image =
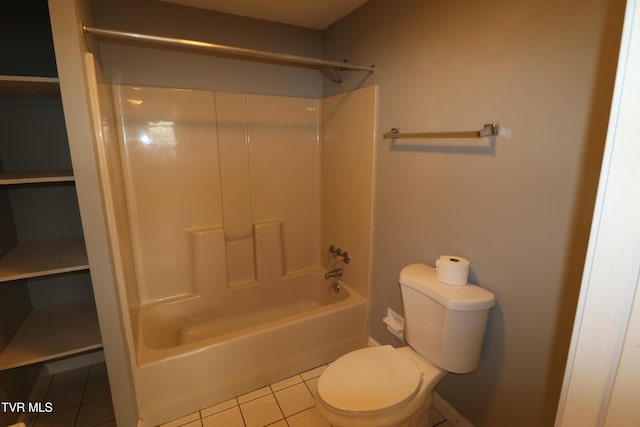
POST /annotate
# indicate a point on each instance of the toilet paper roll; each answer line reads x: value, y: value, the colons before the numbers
x: 452, y: 270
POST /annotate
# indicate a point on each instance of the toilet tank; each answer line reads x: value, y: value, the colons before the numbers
x: 444, y: 323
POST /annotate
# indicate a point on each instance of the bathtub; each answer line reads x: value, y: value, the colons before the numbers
x: 196, y: 352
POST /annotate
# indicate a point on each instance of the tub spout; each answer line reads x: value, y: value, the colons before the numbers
x: 337, y: 272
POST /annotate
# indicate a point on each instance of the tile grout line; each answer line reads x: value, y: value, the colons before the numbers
x: 279, y: 406
x: 244, y: 422
x: 272, y: 392
x: 84, y: 390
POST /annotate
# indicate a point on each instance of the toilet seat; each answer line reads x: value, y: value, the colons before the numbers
x: 369, y: 381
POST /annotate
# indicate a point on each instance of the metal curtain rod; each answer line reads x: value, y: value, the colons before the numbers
x: 490, y: 129
x: 328, y: 68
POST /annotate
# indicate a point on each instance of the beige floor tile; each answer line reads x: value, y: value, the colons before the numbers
x: 264, y: 391
x: 65, y: 398
x: 308, y: 418
x: 97, y: 371
x: 218, y: 408
x: 96, y: 390
x: 182, y: 420
x: 69, y: 378
x: 294, y: 399
x: 296, y: 379
x: 228, y: 418
x: 435, y: 417
x: 58, y: 419
x: 313, y: 373
x: 281, y: 423
x: 312, y: 385
x: 261, y: 412
x: 96, y: 412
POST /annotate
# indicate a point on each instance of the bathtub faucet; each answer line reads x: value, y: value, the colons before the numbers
x: 336, y: 272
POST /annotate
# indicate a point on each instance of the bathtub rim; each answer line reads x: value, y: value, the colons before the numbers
x: 146, y: 355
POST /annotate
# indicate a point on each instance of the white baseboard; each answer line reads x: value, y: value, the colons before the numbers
x: 449, y: 412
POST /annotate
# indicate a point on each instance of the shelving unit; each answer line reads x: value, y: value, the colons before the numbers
x: 29, y: 86
x: 36, y: 177
x: 53, y: 332
x: 48, y: 332
x: 44, y: 258
x: 47, y: 308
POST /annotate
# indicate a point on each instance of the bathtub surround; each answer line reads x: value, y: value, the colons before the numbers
x: 222, y: 189
x: 215, y: 199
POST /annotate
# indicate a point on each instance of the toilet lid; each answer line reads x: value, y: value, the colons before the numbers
x: 371, y: 379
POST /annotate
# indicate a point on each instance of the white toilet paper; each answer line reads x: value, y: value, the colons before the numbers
x: 452, y: 270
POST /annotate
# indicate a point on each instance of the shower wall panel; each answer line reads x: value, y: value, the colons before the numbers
x: 169, y: 159
x: 285, y: 173
x: 222, y: 189
x: 235, y: 179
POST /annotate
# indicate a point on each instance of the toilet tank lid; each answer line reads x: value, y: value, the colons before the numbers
x: 423, y: 279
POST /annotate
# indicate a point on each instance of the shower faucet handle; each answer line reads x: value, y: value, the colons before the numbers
x: 338, y: 252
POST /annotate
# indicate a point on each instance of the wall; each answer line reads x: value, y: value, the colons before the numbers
x: 156, y: 66
x: 518, y: 209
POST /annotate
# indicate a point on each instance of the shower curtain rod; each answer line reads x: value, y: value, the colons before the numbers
x: 328, y: 68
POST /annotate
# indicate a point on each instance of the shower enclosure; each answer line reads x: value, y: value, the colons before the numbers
x: 221, y: 209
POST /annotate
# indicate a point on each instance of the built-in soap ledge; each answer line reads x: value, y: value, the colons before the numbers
x: 270, y: 259
x: 222, y: 261
x: 208, y: 258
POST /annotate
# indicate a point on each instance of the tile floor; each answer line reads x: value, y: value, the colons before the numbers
x: 80, y: 398
x: 287, y: 403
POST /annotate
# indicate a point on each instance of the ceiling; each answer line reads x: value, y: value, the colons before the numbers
x: 315, y: 14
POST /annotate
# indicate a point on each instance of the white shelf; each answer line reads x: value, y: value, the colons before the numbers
x: 35, y: 259
x: 29, y: 86
x: 53, y: 332
x: 36, y: 177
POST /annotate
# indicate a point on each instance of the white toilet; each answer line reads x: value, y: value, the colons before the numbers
x: 393, y: 387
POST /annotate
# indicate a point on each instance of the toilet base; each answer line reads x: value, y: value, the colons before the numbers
x: 418, y: 417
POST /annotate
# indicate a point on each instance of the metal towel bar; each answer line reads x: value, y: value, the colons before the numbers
x: 490, y: 129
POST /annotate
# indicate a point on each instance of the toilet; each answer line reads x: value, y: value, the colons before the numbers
x: 385, y: 386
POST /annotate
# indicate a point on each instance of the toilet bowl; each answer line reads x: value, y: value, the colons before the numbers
x: 389, y: 387
x: 378, y: 387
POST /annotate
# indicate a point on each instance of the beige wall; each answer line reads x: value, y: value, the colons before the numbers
x: 519, y: 210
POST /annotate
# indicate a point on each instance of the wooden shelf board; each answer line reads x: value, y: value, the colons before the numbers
x: 29, y: 86
x: 36, y: 259
x: 36, y: 177
x: 53, y: 332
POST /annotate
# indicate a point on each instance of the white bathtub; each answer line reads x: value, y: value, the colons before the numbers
x: 193, y: 353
